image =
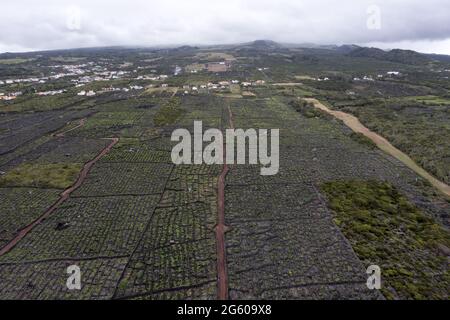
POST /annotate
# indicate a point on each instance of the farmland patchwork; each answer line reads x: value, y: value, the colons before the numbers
x: 138, y: 183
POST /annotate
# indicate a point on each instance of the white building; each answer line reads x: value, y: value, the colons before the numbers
x: 7, y: 98
x: 50, y: 93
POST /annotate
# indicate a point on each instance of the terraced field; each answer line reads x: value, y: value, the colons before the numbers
x: 140, y: 227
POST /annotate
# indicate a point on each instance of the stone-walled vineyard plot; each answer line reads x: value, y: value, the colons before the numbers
x: 109, y: 124
x: 202, y: 169
x: 55, y: 150
x: 108, y: 119
x: 14, y: 123
x: 281, y: 254
x: 87, y: 227
x: 188, y: 123
x: 281, y: 237
x: 136, y: 151
x: 320, y: 150
x: 286, y: 127
x: 28, y: 152
x: 98, y: 131
x: 345, y: 291
x: 180, y: 225
x: 124, y: 179
x: 141, y: 227
x: 47, y: 280
x: 33, y: 103
x: 170, y: 268
x: 203, y: 107
x: 201, y: 292
x: 74, y: 149
x: 251, y: 174
x: 182, y: 190
x: 20, y: 207
x: 176, y: 258
x: 246, y: 109
x: 26, y: 134
x: 282, y: 241
x: 161, y: 143
x: 262, y: 202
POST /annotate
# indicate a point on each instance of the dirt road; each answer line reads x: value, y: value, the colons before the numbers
x: 221, y: 228
x: 353, y: 123
x: 64, y: 196
x: 61, y: 134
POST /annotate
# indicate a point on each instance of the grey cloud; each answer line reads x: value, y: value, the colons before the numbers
x: 28, y: 24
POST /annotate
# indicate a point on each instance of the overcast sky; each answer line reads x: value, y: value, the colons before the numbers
x: 55, y: 24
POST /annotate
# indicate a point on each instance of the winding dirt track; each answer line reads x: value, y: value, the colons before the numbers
x: 353, y: 123
x: 64, y: 196
x: 61, y: 134
x: 221, y: 228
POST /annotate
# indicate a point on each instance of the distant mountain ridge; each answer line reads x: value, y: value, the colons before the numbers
x: 261, y: 45
x: 395, y: 55
x: 408, y: 57
x: 439, y: 57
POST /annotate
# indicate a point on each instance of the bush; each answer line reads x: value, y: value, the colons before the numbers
x: 55, y: 175
x: 169, y: 113
x: 385, y: 229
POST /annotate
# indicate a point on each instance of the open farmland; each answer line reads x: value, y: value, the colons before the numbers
x: 89, y: 181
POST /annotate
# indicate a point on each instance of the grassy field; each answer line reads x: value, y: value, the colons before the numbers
x: 153, y: 91
x: 304, y: 77
x: 430, y: 100
x: 55, y: 175
x: 169, y: 112
x: 14, y: 61
x: 195, y: 67
x: 385, y: 229
x: 214, y: 56
x: 235, y: 89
